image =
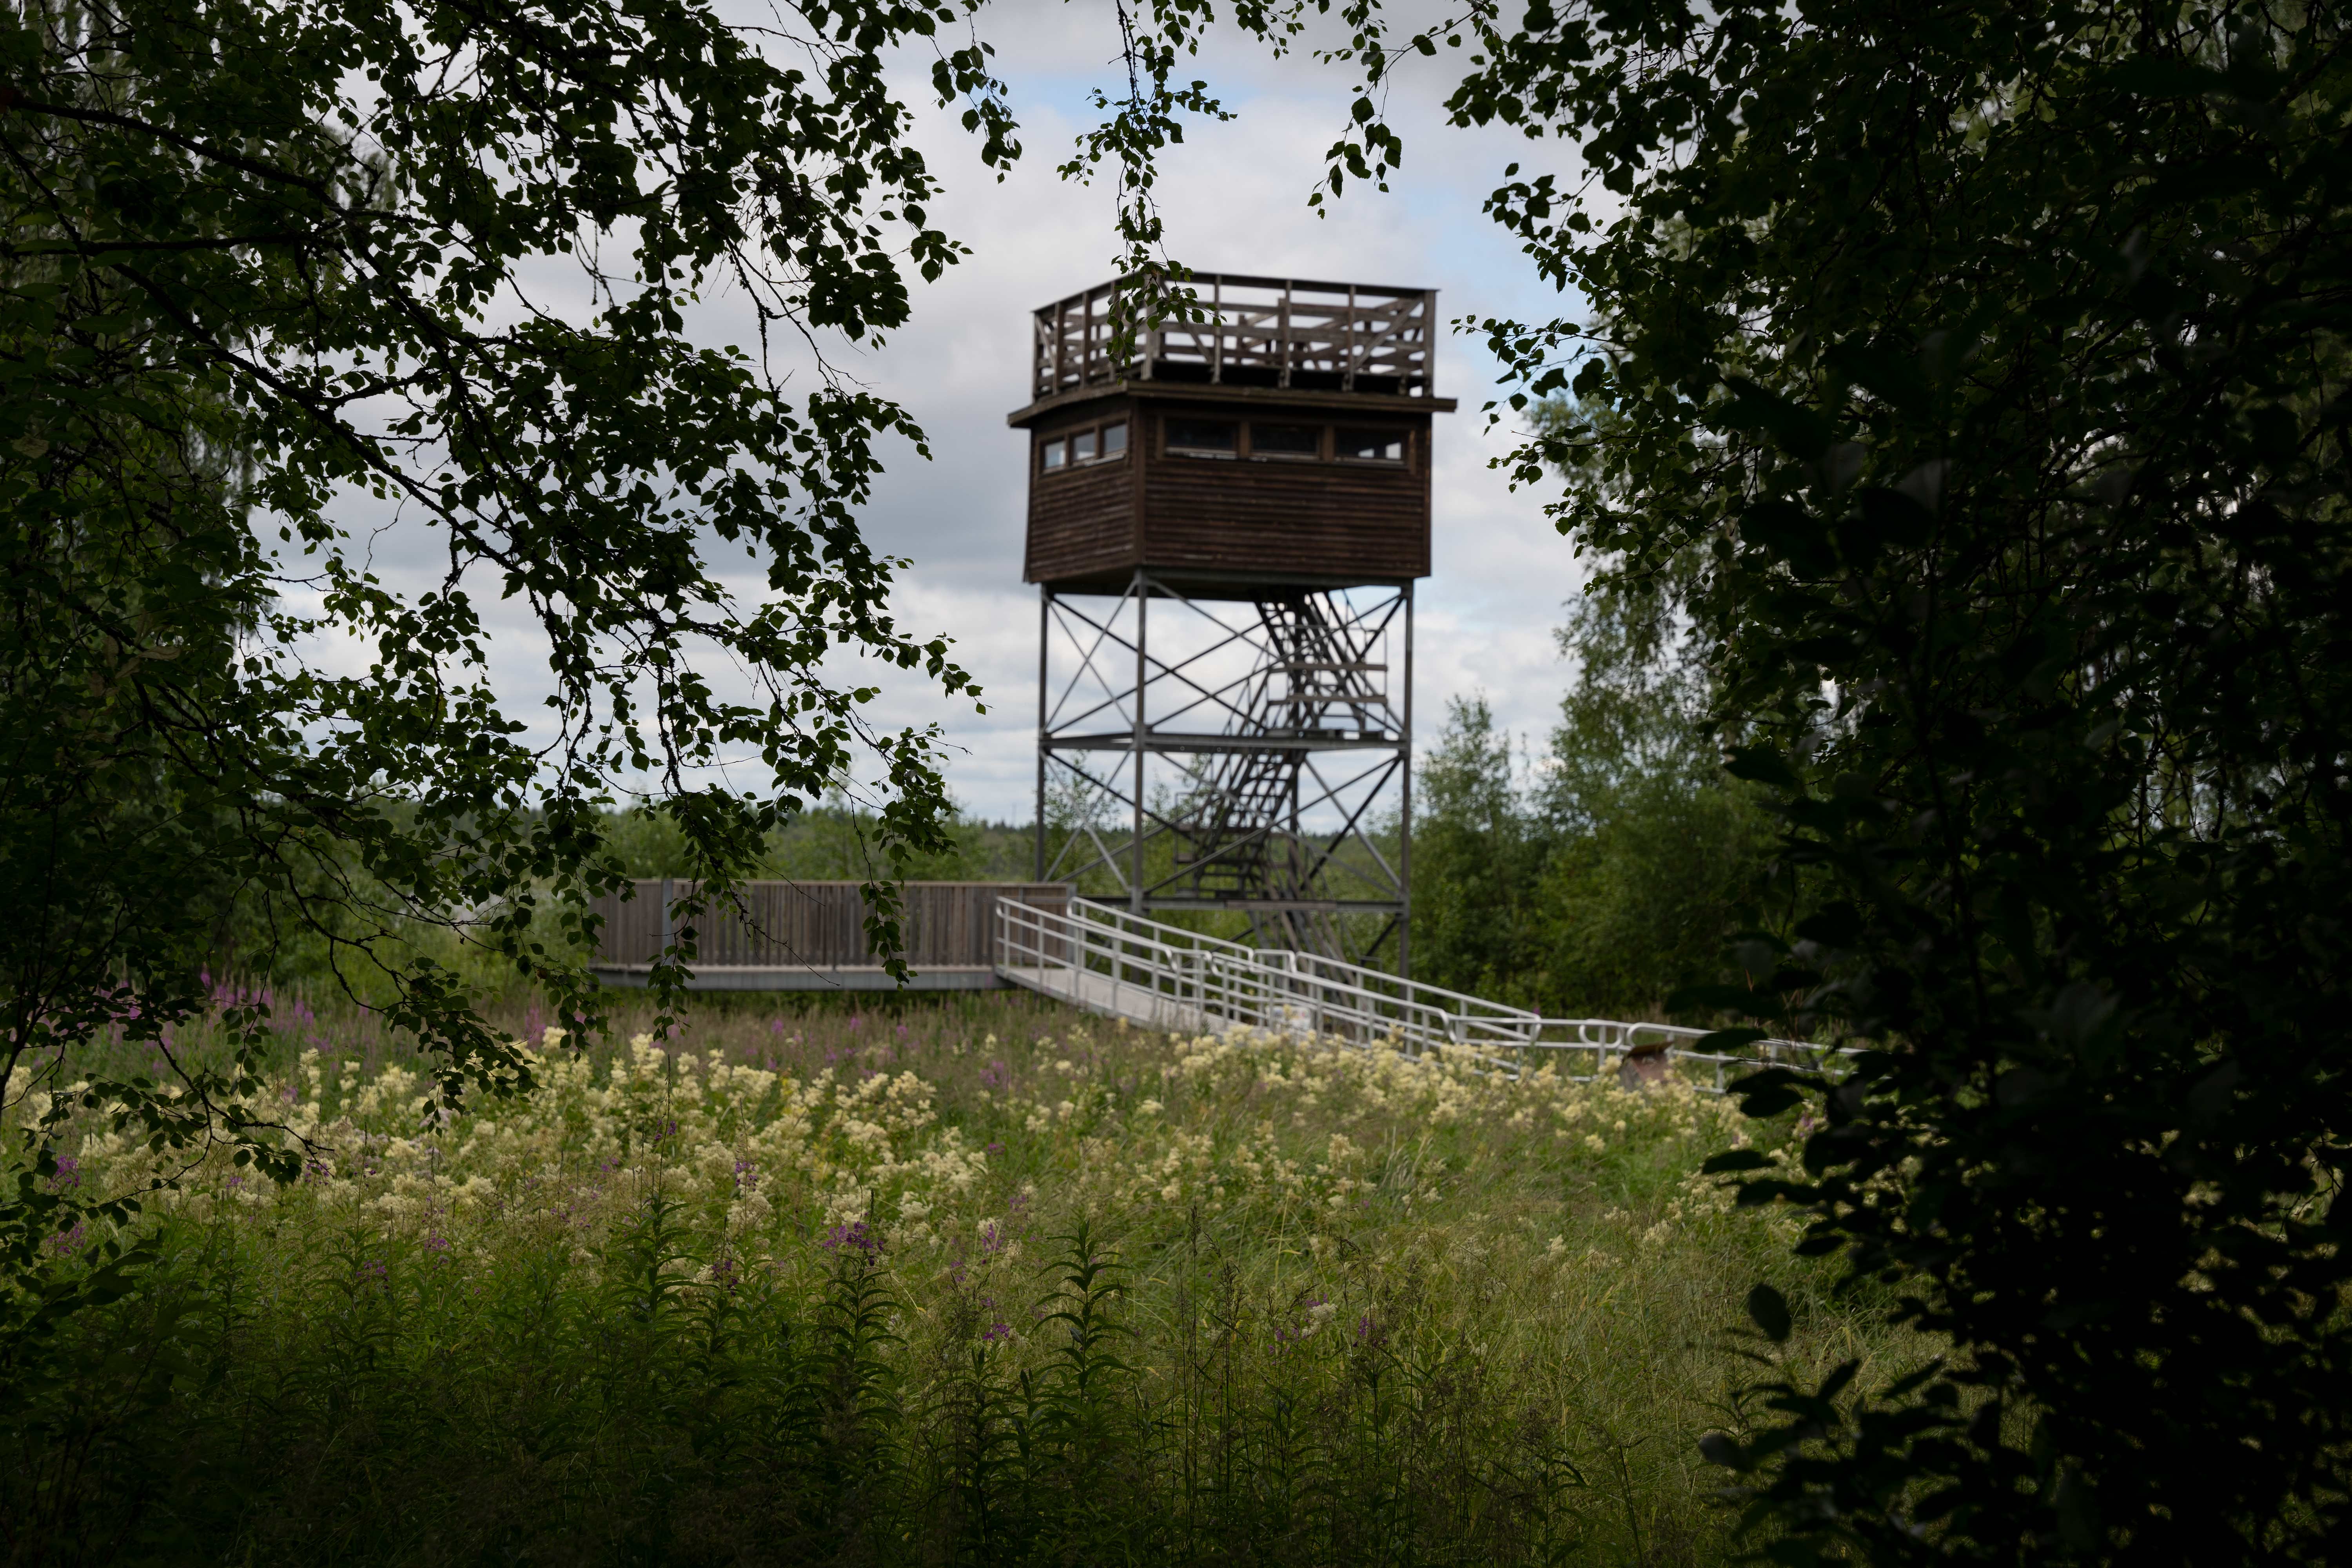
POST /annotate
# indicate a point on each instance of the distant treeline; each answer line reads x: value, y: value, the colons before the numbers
x: 836, y: 843
x: 1596, y: 878
x: 1591, y: 877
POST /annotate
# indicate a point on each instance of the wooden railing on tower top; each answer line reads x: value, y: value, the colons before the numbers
x: 1254, y: 332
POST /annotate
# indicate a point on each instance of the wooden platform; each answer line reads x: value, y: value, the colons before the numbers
x: 1099, y: 993
x: 811, y: 936
x: 808, y: 977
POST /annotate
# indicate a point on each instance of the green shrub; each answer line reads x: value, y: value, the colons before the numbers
x: 974, y: 1282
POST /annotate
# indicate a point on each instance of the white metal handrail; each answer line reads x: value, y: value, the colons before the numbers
x: 1102, y: 956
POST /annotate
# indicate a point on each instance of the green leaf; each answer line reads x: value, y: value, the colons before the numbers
x: 2158, y: 76
x: 2077, y: 1509
x: 1760, y: 765
x: 1789, y: 533
x: 1895, y: 378
x: 1769, y: 1311
x: 1837, y: 925
x: 1798, y: 430
x: 1726, y: 998
x: 1890, y: 517
x: 1721, y: 1448
x: 1769, y: 1092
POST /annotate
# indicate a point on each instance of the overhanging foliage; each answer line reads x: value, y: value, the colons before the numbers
x: 273, y: 274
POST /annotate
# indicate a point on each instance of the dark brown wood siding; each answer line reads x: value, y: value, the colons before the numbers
x: 1081, y: 520
x: 1271, y: 519
x: 1317, y: 519
x: 820, y: 924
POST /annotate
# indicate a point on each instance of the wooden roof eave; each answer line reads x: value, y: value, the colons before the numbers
x: 1370, y: 402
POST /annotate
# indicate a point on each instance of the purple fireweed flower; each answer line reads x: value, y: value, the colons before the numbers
x: 69, y: 1175
x: 857, y: 1236
x: 996, y: 1332
x: 995, y: 1075
x: 67, y: 1242
x: 996, y: 1148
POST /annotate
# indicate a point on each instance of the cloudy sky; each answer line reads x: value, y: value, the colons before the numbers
x: 1234, y: 199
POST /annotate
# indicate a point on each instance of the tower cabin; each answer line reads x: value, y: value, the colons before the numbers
x: 1282, y: 439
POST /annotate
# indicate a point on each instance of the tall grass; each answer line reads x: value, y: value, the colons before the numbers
x: 972, y: 1281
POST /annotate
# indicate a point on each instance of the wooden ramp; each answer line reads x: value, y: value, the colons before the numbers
x: 1118, y: 964
x: 1099, y: 992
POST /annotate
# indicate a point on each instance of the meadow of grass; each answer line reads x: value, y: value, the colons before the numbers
x: 966, y: 1280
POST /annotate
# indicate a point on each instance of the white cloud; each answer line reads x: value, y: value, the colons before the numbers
x: 1235, y: 198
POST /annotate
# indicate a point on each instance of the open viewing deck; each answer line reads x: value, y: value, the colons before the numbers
x: 1274, y: 334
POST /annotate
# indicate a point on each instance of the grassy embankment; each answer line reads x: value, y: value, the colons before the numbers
x: 978, y: 1281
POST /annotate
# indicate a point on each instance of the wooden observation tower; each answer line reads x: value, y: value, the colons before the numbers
x: 1225, y: 526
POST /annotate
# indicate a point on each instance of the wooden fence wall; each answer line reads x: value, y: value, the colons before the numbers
x: 821, y: 925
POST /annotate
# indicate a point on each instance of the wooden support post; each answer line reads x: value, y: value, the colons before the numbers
x: 1283, y: 348
x: 1348, y: 344
x: 1428, y: 348
x: 1217, y: 330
